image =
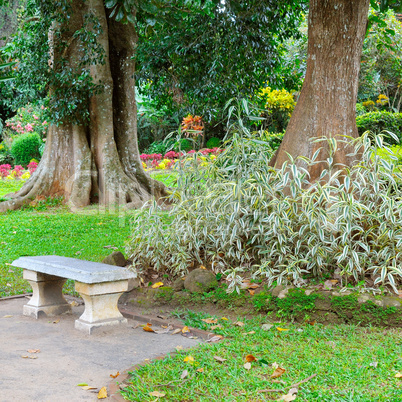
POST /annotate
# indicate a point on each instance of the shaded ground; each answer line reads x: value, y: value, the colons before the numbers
x: 68, y: 357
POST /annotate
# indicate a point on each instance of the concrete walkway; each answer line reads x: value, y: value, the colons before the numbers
x: 68, y: 357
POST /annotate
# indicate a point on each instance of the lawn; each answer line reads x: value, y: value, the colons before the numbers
x: 349, y: 363
x: 88, y: 235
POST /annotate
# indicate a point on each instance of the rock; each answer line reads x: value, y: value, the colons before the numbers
x: 391, y: 302
x: 308, y: 292
x: 363, y: 298
x: 283, y: 293
x: 200, y: 280
x: 266, y: 327
x: 178, y: 285
x: 277, y: 289
x: 322, y: 304
x: 116, y: 258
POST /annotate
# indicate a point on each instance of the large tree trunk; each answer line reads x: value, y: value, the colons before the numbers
x: 327, y: 103
x: 98, y: 161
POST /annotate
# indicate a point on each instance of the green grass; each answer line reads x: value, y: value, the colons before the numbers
x: 168, y: 177
x: 339, y: 355
x: 9, y: 186
x: 60, y: 232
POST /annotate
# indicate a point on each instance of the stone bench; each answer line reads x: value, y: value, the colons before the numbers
x: 100, y: 285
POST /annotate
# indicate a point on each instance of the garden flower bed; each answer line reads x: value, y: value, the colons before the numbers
x: 7, y: 172
x: 172, y: 158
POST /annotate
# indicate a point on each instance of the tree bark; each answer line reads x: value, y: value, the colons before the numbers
x: 327, y: 103
x: 97, y: 162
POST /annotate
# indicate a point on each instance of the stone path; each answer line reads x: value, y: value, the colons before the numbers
x: 68, y: 357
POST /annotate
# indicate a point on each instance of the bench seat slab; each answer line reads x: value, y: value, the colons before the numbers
x: 101, y: 308
x: 47, y: 296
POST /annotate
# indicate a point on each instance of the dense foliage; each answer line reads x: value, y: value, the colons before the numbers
x: 240, y: 215
x: 212, y: 53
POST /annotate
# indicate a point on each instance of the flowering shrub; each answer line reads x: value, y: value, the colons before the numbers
x: 167, y: 161
x: 7, y: 172
x: 27, y: 120
x: 192, y: 126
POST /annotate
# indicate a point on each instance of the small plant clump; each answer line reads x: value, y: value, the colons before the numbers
x: 239, y: 215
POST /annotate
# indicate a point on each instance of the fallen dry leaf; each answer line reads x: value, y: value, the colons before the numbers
x: 88, y: 387
x: 33, y: 350
x: 56, y: 321
x: 219, y: 359
x: 185, y: 329
x: 227, y: 319
x: 200, y: 370
x: 253, y: 286
x: 189, y: 359
x: 282, y: 329
x: 157, y: 394
x: 266, y: 327
x: 239, y: 324
x: 251, y: 292
x: 147, y: 328
x: 215, y: 327
x: 155, y: 276
x: 247, y: 366
x: 115, y: 375
x: 184, y: 374
x: 249, y: 333
x: 278, y: 372
x: 374, y: 364
x: 176, y: 331
x: 102, y: 394
x: 179, y: 347
x: 287, y: 398
x: 162, y: 331
x: 250, y: 358
x: 7, y: 316
x: 210, y: 320
x: 215, y: 338
x: 157, y: 285
x: 398, y: 375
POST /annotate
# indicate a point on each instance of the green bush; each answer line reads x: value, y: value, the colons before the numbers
x: 377, y: 122
x: 26, y: 147
x: 213, y: 142
x: 183, y: 145
x: 243, y: 217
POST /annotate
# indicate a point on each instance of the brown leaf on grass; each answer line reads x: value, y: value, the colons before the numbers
x: 215, y: 338
x: 253, y: 286
x: 147, y: 328
x: 247, y: 366
x: 33, y: 350
x: 251, y: 292
x: 249, y: 333
x: 115, y: 375
x: 157, y: 285
x: 157, y: 394
x: 239, y: 324
x: 398, y: 375
x: 225, y: 319
x: 250, y: 358
x: 278, y: 372
x: 282, y: 329
x: 200, y: 370
x: 219, y: 359
x: 102, y: 394
x: 215, y: 327
x: 210, y: 320
x: 184, y: 374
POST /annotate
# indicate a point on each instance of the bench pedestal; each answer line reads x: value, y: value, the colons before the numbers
x: 47, y: 297
x: 100, y: 304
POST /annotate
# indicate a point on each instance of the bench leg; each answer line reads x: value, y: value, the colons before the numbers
x: 47, y: 296
x: 100, y: 305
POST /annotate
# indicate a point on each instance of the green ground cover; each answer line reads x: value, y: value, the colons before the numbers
x: 59, y: 232
x: 350, y: 363
x: 9, y: 186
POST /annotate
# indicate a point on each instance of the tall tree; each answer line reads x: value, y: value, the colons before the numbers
x: 327, y: 103
x: 91, y: 154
